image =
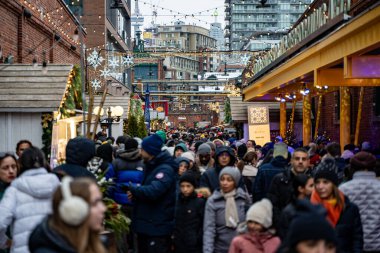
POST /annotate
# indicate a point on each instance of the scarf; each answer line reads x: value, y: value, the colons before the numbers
x: 231, y: 214
x: 333, y: 210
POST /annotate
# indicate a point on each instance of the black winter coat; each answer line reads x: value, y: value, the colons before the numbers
x: 349, y: 229
x: 188, y: 231
x: 45, y: 240
x: 153, y: 213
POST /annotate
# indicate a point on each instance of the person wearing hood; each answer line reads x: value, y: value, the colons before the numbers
x: 126, y: 169
x: 76, y: 221
x: 225, y: 209
x: 204, y: 159
x: 27, y: 200
x: 256, y: 233
x: 79, y: 151
x: 179, y: 149
x: 267, y: 171
x: 154, y: 199
x: 224, y: 156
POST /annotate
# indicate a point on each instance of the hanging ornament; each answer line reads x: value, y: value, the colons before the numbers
x: 95, y: 59
x: 128, y: 60
x: 105, y: 72
x: 113, y: 63
x: 245, y: 58
x: 95, y: 84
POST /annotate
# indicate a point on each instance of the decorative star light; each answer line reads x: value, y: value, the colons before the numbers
x: 113, y: 63
x: 96, y: 84
x: 128, y: 60
x: 95, y: 59
x: 105, y: 72
x: 245, y: 58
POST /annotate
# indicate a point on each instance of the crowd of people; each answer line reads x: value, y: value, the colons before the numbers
x: 193, y: 192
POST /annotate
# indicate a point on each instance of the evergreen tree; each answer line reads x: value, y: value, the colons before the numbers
x: 142, y: 131
x: 132, y: 126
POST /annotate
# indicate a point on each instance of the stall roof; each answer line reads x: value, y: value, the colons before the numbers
x: 24, y: 88
x: 239, y: 111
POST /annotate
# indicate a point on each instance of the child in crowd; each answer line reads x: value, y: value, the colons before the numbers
x: 188, y: 230
x: 256, y: 235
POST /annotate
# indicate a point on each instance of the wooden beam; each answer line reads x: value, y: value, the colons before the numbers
x: 282, y: 119
x: 335, y: 77
x: 345, y: 116
x: 306, y: 120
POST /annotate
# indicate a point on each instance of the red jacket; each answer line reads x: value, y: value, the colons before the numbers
x: 255, y: 243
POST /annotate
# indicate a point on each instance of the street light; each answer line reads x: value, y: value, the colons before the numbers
x: 113, y: 115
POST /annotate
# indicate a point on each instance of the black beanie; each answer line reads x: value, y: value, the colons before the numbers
x: 188, y: 177
x: 327, y: 169
x: 104, y: 151
x: 310, y: 226
x: 130, y: 145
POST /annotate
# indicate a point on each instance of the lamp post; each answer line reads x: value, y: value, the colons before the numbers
x: 113, y: 115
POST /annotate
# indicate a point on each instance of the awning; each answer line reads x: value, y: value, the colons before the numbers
x: 239, y: 111
x: 24, y: 88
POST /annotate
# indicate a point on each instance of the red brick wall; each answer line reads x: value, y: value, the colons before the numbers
x: 369, y: 125
x: 19, y: 35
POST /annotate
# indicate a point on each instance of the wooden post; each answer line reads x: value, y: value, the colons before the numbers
x: 359, y: 117
x: 98, y: 115
x: 318, y: 116
x: 345, y: 117
x: 306, y: 120
x: 282, y: 119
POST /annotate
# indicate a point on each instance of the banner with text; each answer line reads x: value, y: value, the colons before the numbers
x: 258, y: 121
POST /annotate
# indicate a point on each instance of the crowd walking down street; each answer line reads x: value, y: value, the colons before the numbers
x: 177, y: 207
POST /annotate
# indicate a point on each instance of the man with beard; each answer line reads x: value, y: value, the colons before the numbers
x: 204, y: 159
x: 153, y: 213
x: 281, y: 190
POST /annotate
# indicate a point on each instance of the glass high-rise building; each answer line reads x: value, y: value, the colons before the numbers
x: 250, y: 25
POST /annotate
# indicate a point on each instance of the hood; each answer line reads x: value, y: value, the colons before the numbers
x: 222, y: 149
x: 130, y: 155
x: 44, y: 237
x: 182, y: 159
x: 182, y: 146
x: 79, y: 151
x: 279, y: 161
x: 37, y: 183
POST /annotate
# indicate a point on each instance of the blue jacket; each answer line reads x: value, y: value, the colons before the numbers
x: 265, y: 176
x: 127, y: 169
x: 153, y: 212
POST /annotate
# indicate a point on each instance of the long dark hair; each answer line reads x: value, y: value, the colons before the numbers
x: 299, y: 180
x: 32, y: 158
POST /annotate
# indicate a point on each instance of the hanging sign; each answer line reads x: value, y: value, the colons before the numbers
x: 258, y: 121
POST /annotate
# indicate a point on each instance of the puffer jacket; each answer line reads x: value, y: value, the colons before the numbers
x: 188, y: 230
x: 216, y: 236
x: 257, y: 243
x: 126, y: 169
x: 25, y: 203
x: 45, y: 240
x: 154, y: 200
x: 364, y: 191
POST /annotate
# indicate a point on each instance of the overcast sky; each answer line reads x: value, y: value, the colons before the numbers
x: 170, y: 10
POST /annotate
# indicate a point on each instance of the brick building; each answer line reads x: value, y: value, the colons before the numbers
x: 37, y: 30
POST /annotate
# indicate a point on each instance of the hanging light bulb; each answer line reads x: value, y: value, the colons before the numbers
x: 305, y: 91
x: 44, y: 64
x: 35, y: 63
x: 76, y: 35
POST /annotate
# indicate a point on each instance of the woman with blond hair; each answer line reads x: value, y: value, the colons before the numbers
x: 74, y: 226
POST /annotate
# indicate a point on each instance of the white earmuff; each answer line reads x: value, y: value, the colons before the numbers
x: 73, y: 210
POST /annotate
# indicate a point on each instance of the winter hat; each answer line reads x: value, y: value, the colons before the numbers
x: 189, y: 155
x: 347, y: 154
x: 204, y: 149
x: 188, y: 177
x: 212, y: 145
x: 233, y: 172
x: 280, y: 149
x: 131, y: 145
x: 197, y: 145
x: 162, y: 134
x: 363, y: 160
x: 105, y: 152
x: 328, y: 170
x: 182, y: 159
x: 152, y: 144
x: 182, y: 146
x: 261, y: 212
x: 366, y: 146
x: 79, y: 151
x: 309, y: 226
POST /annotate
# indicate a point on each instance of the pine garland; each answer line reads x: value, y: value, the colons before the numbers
x: 47, y: 128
